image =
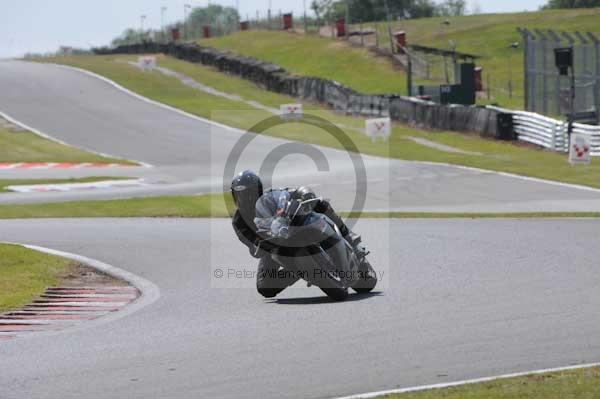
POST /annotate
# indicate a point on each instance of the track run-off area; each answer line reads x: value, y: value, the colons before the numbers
x: 460, y: 298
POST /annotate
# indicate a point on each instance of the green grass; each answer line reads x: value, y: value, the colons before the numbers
x: 29, y: 147
x: 316, y: 56
x: 25, y: 274
x: 487, y: 35
x: 176, y: 206
x: 470, y: 215
x: 216, y: 206
x: 4, y: 183
x: 498, y: 156
x: 574, y: 384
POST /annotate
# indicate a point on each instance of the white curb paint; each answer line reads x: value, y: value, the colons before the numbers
x: 42, y: 305
x: 149, y: 292
x: 233, y: 129
x: 104, y: 184
x: 49, y: 137
x: 465, y: 382
x: 59, y: 165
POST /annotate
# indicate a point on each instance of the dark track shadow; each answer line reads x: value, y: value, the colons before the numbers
x: 323, y: 299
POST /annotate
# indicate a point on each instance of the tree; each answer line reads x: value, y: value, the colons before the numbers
x: 422, y: 9
x: 223, y: 19
x: 553, y: 4
x: 329, y: 10
x: 320, y: 7
x: 376, y: 10
x: 128, y: 36
x: 452, y: 8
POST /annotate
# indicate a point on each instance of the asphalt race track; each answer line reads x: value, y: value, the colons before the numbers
x: 189, y: 155
x: 464, y: 299
x: 458, y: 298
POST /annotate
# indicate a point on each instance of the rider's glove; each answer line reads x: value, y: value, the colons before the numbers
x: 260, y: 249
x: 256, y: 251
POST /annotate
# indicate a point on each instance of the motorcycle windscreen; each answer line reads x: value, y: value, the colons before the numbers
x: 269, y: 207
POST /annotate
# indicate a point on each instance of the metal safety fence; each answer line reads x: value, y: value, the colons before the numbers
x: 548, y: 132
x: 548, y: 93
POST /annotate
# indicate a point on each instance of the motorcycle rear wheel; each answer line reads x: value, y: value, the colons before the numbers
x: 337, y: 294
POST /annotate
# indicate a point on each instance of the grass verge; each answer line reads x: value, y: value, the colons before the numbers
x: 4, y: 183
x: 495, y: 155
x: 330, y: 59
x: 29, y: 147
x: 199, y: 206
x: 25, y: 274
x: 470, y: 215
x: 216, y: 206
x: 573, y: 384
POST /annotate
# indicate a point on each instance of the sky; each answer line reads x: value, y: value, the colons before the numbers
x: 44, y: 25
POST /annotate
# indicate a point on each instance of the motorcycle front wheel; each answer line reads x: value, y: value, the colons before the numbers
x: 368, y: 280
x: 337, y: 294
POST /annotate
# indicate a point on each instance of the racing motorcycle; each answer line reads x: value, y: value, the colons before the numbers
x: 311, y: 246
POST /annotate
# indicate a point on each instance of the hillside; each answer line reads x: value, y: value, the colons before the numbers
x: 317, y: 56
x: 488, y: 35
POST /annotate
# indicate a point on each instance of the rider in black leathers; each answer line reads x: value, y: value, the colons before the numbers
x: 246, y: 189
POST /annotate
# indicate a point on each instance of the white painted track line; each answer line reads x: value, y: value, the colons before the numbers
x: 465, y: 382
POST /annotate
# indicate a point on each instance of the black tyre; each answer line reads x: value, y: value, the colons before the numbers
x: 337, y: 294
x: 367, y: 283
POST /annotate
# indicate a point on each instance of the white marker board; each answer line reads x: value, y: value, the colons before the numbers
x: 291, y: 111
x: 147, y: 63
x: 580, y: 149
x: 378, y: 128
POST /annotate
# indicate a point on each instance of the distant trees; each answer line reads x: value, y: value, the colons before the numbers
x: 452, y: 8
x: 127, y: 37
x: 552, y: 4
x: 321, y: 8
x: 223, y: 19
x: 376, y: 10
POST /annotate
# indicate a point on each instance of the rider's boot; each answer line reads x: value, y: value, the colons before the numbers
x: 351, y: 237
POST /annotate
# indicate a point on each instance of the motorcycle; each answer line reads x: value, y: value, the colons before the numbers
x: 311, y: 246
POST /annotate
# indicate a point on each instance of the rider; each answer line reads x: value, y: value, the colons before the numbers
x: 246, y: 189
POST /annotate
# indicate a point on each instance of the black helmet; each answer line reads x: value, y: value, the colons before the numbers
x: 304, y: 193
x: 246, y: 189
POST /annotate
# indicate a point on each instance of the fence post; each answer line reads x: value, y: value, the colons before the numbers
x: 409, y: 72
x: 376, y: 35
x: 389, y: 29
x: 362, y: 37
x: 597, y: 43
x: 529, y: 68
x: 527, y: 75
x: 347, y: 22
x: 544, y: 77
x: 524, y: 37
x: 597, y: 91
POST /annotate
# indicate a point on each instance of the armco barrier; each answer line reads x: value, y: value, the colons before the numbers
x: 549, y: 133
x: 408, y: 110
